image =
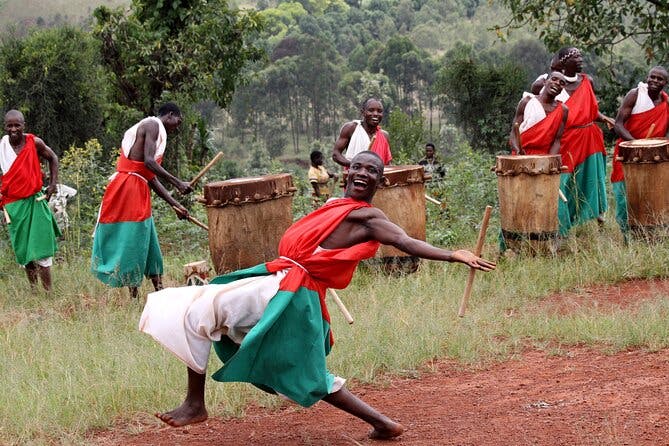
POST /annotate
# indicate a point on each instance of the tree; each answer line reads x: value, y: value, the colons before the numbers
x: 191, y: 48
x: 595, y: 25
x: 481, y: 97
x: 52, y: 76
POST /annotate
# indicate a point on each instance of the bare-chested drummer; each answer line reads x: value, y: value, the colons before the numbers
x: 539, y: 121
x: 269, y: 323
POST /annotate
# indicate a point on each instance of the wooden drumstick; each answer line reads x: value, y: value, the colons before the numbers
x: 204, y: 170
x: 7, y: 219
x: 477, y: 252
x: 650, y: 131
x: 432, y: 200
x: 340, y: 304
x: 562, y: 196
x: 194, y: 220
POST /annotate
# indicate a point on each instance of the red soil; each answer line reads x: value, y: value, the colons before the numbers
x: 581, y: 397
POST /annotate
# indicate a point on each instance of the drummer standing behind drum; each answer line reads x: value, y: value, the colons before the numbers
x: 361, y: 135
x: 582, y: 147
x: 125, y: 243
x: 643, y: 107
x: 540, y: 120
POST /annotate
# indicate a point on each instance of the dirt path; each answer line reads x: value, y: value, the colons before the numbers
x: 579, y: 398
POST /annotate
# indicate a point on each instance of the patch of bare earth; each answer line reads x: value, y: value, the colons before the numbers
x: 582, y: 397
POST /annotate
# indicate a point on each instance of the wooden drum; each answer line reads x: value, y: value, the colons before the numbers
x: 528, y: 186
x: 646, y: 168
x: 247, y: 217
x: 402, y: 199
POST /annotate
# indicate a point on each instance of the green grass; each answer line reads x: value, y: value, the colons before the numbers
x: 73, y: 360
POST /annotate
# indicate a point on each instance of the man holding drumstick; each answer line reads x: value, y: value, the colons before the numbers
x: 269, y: 323
x: 644, y: 113
x: 125, y: 243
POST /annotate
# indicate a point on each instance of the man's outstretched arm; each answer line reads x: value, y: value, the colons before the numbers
x: 383, y: 230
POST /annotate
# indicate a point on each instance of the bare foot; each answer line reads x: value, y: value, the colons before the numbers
x: 184, y: 415
x: 389, y: 430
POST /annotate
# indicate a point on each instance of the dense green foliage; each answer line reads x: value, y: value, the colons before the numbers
x: 192, y: 48
x: 53, y: 77
x: 596, y: 25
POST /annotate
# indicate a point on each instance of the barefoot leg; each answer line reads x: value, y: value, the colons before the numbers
x: 157, y: 282
x: 31, y: 272
x: 45, y: 276
x: 383, y: 426
x: 192, y: 410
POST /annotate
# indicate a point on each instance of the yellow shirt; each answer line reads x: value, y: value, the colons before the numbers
x: 320, y: 175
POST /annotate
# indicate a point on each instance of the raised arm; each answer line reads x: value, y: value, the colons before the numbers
x: 373, y: 224
x: 45, y: 152
x: 342, y: 143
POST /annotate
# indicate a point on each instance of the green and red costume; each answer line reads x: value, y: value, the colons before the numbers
x: 285, y: 350
x: 33, y: 229
x: 583, y: 152
x: 125, y: 243
x: 638, y: 124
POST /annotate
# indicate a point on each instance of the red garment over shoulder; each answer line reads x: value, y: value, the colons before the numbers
x: 537, y: 140
x: 329, y: 268
x: 638, y: 125
x: 128, y: 196
x: 24, y: 178
x: 381, y: 147
x: 582, y: 137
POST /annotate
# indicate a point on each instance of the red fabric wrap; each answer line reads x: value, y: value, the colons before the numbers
x: 638, y: 126
x: 24, y: 178
x: 330, y: 268
x: 582, y: 137
x: 127, y: 197
x: 537, y: 140
x: 381, y: 147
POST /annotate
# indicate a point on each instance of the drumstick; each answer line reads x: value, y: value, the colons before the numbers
x: 194, y: 220
x: 562, y: 196
x: 340, y: 304
x: 432, y: 200
x: 7, y: 219
x: 204, y: 170
x: 650, y: 131
x: 477, y: 252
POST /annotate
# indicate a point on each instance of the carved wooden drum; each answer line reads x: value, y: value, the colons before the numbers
x: 528, y: 186
x: 646, y: 168
x: 247, y: 217
x: 402, y: 199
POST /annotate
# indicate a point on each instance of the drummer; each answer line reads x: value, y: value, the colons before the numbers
x: 539, y: 121
x: 365, y: 134
x: 644, y: 113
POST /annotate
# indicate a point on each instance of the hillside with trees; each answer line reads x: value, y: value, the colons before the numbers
x: 269, y: 81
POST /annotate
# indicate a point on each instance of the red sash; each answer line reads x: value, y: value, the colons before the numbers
x: 638, y: 125
x: 330, y: 268
x: 537, y: 140
x: 381, y: 147
x: 24, y: 178
x: 127, y: 197
x: 582, y: 137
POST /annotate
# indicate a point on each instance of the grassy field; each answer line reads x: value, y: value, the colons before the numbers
x: 73, y: 360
